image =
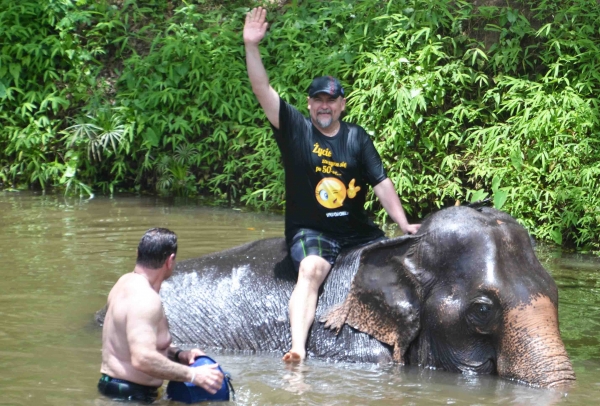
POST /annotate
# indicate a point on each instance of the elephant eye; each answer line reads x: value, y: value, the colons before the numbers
x: 484, y: 309
x: 481, y: 315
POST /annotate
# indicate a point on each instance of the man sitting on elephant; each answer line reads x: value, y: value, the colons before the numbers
x: 136, y: 344
x: 328, y: 164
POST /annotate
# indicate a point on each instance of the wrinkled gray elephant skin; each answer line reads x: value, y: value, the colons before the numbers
x: 466, y: 294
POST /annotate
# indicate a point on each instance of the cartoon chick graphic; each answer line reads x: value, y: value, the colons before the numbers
x: 331, y: 192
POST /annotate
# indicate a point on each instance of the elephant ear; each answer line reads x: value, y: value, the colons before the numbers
x: 384, y: 298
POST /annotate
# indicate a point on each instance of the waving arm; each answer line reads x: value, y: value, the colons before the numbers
x: 254, y: 31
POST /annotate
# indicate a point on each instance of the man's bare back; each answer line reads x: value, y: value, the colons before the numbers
x: 133, y: 306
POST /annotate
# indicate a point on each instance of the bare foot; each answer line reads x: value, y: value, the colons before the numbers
x: 292, y: 356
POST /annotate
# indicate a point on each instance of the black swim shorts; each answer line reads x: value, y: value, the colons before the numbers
x: 311, y: 242
x: 120, y: 389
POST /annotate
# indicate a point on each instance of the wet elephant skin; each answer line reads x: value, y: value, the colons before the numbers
x: 238, y: 300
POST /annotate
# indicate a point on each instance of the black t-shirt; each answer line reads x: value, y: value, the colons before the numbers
x: 326, y: 178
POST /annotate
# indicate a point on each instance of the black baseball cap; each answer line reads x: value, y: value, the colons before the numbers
x: 326, y: 84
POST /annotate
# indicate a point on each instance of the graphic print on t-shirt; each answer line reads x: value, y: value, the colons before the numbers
x: 331, y: 192
x: 327, y: 166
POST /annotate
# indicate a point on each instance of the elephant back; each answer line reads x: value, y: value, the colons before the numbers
x: 234, y: 299
x: 237, y: 299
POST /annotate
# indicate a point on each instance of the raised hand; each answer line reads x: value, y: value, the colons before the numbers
x: 255, y: 27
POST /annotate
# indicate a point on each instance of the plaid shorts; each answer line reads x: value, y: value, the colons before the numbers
x: 310, y: 242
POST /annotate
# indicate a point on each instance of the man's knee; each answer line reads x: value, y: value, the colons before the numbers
x: 313, y: 269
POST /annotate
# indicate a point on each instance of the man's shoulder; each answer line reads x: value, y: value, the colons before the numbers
x: 292, y: 110
x: 355, y: 129
x: 293, y: 124
x: 132, y: 290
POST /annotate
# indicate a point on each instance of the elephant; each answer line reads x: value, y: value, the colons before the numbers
x: 465, y: 294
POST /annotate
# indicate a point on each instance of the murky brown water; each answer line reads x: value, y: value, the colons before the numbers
x: 59, y: 258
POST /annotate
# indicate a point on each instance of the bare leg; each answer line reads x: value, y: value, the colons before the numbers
x: 303, y: 303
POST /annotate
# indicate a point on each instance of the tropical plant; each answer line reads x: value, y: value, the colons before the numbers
x: 464, y: 101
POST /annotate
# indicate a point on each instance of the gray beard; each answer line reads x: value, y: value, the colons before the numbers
x: 324, y: 123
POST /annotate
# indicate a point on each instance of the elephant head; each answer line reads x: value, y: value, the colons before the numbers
x: 466, y: 294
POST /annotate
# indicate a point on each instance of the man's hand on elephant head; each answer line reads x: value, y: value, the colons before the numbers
x: 411, y: 228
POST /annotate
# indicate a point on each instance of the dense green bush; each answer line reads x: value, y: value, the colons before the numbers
x: 463, y: 102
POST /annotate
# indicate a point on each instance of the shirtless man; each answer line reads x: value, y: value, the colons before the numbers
x: 136, y: 344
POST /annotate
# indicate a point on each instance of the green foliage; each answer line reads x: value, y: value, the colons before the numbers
x: 463, y: 102
x: 104, y: 134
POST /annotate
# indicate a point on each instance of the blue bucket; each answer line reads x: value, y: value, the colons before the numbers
x: 189, y: 393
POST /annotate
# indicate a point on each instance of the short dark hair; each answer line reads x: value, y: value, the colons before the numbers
x: 155, y: 247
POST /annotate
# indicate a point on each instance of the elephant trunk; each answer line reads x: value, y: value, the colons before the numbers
x: 531, y: 350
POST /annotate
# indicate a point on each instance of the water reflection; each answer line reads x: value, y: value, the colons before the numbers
x: 578, y: 279
x: 321, y: 383
x: 60, y: 257
x: 296, y: 382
